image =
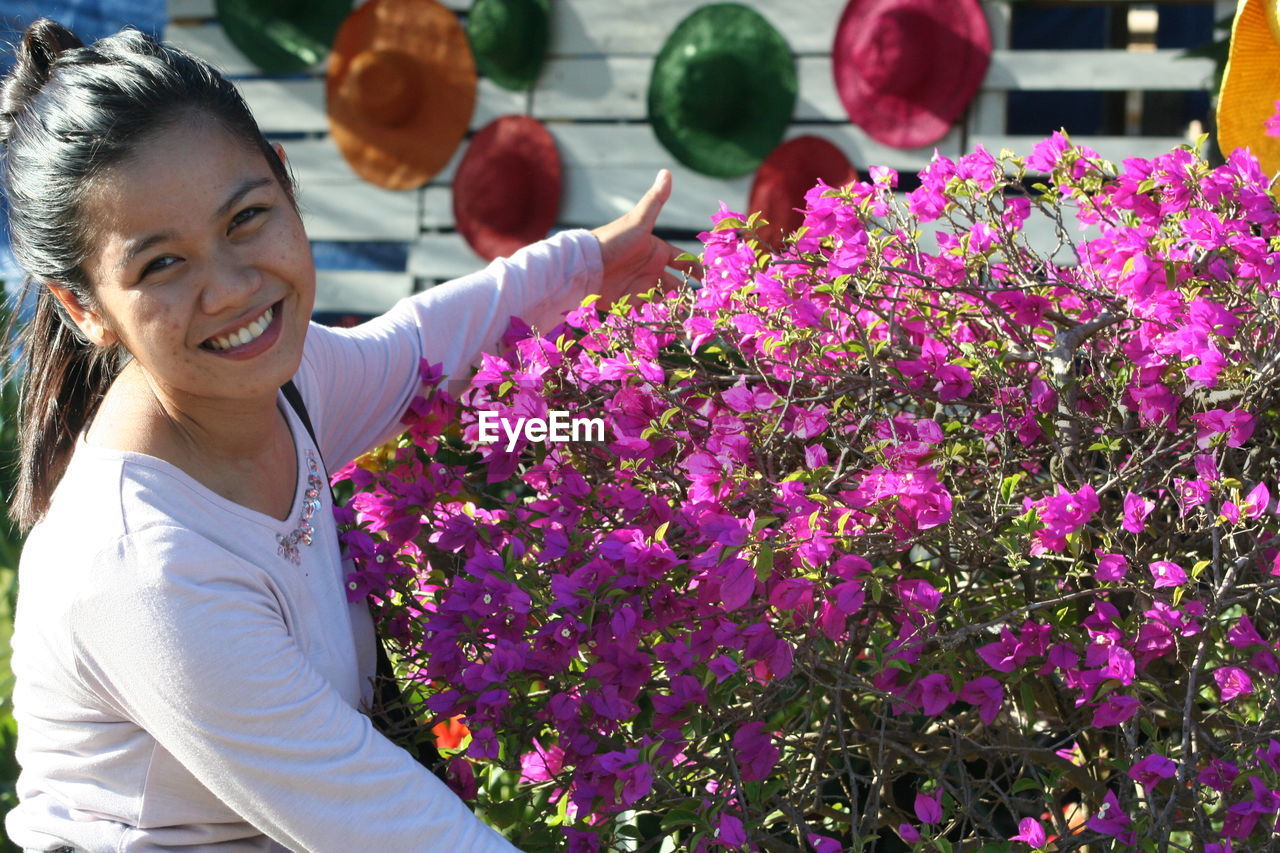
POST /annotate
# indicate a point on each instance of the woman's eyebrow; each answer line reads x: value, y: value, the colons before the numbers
x: 135, y: 248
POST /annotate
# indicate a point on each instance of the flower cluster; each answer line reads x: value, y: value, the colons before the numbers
x: 950, y: 517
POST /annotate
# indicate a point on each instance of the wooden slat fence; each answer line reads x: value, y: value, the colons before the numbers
x: 592, y: 97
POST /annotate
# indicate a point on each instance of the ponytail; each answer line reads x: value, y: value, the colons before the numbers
x: 63, y: 380
x: 68, y: 113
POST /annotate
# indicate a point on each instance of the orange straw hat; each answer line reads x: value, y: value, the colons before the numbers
x: 401, y: 89
x: 1251, y: 83
x: 906, y: 69
x: 506, y: 192
x: 790, y: 171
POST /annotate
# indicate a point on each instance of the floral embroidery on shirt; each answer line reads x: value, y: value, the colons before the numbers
x: 310, y: 504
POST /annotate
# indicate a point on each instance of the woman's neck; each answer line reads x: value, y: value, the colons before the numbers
x: 241, y: 449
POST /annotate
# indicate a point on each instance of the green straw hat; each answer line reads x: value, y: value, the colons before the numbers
x: 282, y: 36
x: 509, y: 40
x: 722, y: 91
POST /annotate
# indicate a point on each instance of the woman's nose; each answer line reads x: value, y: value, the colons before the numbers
x: 231, y: 283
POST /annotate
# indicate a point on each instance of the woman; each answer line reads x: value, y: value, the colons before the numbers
x: 189, y: 673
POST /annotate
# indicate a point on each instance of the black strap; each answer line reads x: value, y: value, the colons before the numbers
x: 393, y: 717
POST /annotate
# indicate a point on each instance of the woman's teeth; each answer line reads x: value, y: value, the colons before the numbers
x: 245, y: 335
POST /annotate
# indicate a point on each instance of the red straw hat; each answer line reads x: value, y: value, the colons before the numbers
x: 906, y: 69
x: 506, y: 193
x: 401, y: 88
x: 790, y: 171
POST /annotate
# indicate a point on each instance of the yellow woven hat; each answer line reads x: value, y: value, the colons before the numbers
x: 1251, y: 83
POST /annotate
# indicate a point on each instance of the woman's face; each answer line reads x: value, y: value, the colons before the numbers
x: 200, y: 266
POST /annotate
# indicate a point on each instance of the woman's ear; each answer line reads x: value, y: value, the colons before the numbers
x: 91, y: 323
x: 279, y: 149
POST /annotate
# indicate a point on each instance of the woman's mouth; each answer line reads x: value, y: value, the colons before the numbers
x: 245, y: 334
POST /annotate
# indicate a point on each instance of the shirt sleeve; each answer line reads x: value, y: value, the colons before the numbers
x: 358, y: 382
x: 191, y: 644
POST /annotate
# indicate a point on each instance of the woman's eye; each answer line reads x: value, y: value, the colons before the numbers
x: 160, y: 263
x: 245, y: 215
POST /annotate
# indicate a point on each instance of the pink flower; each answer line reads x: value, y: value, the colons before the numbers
x: 909, y: 833
x: 1232, y: 682
x: 929, y: 808
x: 729, y: 831
x: 935, y: 693
x: 1111, y: 820
x: 1111, y: 567
x: 755, y: 752
x: 1257, y: 501
x: 1115, y: 710
x: 1235, y: 424
x: 1136, y: 510
x: 1030, y: 831
x: 987, y: 694
x: 1150, y: 770
x: 1272, y: 125
x: 1167, y: 573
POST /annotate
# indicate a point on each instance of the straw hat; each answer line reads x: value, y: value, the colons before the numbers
x: 509, y: 39
x: 285, y: 36
x: 722, y: 90
x: 506, y: 192
x: 788, y: 173
x: 401, y: 90
x: 906, y: 69
x: 1251, y: 83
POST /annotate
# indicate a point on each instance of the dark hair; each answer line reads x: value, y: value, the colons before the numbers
x: 68, y: 113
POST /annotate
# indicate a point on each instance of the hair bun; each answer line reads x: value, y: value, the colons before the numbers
x: 43, y: 42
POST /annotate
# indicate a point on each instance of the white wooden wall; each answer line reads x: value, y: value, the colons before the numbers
x: 592, y: 97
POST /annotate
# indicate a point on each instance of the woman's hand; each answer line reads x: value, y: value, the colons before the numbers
x: 634, y: 259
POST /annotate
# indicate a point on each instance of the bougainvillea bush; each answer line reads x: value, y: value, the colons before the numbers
x: 947, y: 524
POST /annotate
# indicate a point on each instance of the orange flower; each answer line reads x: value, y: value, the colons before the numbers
x: 451, y: 733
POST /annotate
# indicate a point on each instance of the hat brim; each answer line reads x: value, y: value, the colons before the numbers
x: 283, y: 37
x: 1250, y: 87
x: 722, y: 91
x: 790, y: 171
x: 409, y: 153
x: 509, y: 40
x: 506, y: 191
x: 951, y: 46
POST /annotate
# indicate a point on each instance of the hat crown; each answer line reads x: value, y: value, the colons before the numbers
x: 895, y: 57
x: 712, y: 84
x: 383, y: 86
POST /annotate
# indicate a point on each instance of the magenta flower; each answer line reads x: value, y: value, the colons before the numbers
x: 929, y: 807
x: 1272, y: 125
x: 1218, y: 775
x: 755, y: 751
x: 1232, y: 682
x: 1111, y: 820
x: 1150, y: 770
x: 1115, y: 709
x: 823, y: 843
x: 1256, y: 502
x: 1111, y: 567
x: 935, y: 694
x: 1167, y: 573
x: 729, y: 831
x: 1243, y: 634
x: 1030, y: 831
x: 909, y: 833
x: 1235, y: 424
x: 1136, y: 510
x: 987, y: 694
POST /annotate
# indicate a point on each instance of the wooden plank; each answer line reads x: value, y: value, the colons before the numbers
x: 1097, y: 70
x: 360, y: 292
x: 639, y: 27
x: 207, y: 8
x: 319, y: 161
x: 298, y: 106
x: 355, y: 210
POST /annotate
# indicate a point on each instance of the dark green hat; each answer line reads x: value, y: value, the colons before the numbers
x: 509, y: 40
x: 282, y: 36
x: 722, y: 91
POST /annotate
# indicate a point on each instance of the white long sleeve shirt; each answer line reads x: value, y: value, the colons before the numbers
x: 181, y: 683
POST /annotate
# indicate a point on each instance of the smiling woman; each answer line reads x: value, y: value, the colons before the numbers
x: 188, y: 670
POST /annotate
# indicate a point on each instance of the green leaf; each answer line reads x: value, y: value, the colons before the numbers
x: 1025, y: 784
